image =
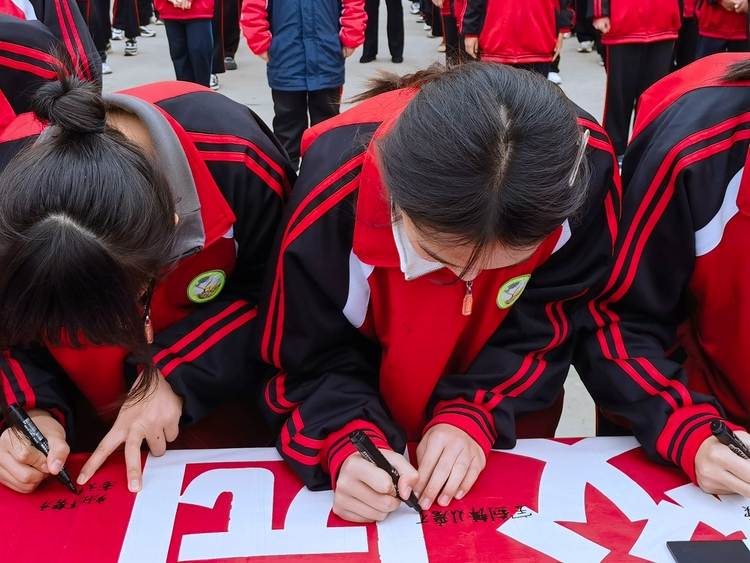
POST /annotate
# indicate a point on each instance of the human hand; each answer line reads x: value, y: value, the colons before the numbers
x: 471, y: 44
x: 22, y: 466
x: 740, y: 6
x: 438, y: 3
x: 154, y: 418
x: 348, y: 52
x: 449, y: 460
x: 265, y: 56
x: 602, y: 24
x: 558, y: 46
x: 719, y: 471
x: 365, y: 493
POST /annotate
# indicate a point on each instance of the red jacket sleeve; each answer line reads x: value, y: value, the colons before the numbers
x: 255, y: 25
x: 353, y: 23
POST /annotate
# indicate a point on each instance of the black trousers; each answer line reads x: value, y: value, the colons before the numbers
x: 231, y: 27
x: 126, y: 18
x: 541, y: 68
x: 191, y: 48
x: 145, y: 11
x: 631, y: 69
x: 217, y: 24
x: 452, y: 41
x: 395, y: 28
x: 707, y: 46
x: 584, y: 28
x: 100, y: 26
x: 687, y: 41
x: 291, y: 111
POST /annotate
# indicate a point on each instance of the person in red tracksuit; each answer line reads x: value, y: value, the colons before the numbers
x: 639, y: 37
x: 676, y: 305
x: 132, y: 292
x: 433, y: 296
x: 492, y: 29
x: 722, y: 26
x: 191, y: 42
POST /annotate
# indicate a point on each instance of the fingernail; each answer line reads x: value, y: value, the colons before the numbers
x: 56, y: 466
x: 135, y: 486
x: 406, y: 492
x: 460, y: 495
x: 425, y: 503
x: 81, y: 479
x: 45, y: 469
x: 444, y: 500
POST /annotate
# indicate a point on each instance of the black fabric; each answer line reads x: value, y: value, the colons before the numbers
x: 584, y: 27
x: 126, y: 18
x: 707, y: 46
x: 291, y: 115
x: 217, y: 27
x: 100, y: 26
x: 191, y: 49
x: 687, y: 42
x: 145, y: 11
x: 231, y: 41
x: 395, y: 28
x: 631, y: 69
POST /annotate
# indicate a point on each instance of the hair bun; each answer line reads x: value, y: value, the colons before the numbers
x: 74, y: 105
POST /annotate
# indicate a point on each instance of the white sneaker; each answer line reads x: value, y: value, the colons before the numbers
x: 554, y: 78
x: 156, y: 21
x: 586, y: 47
x: 147, y: 31
x: 214, y: 83
x: 427, y: 27
x: 131, y: 48
x: 118, y: 34
x: 106, y: 69
x: 415, y: 8
x: 566, y: 35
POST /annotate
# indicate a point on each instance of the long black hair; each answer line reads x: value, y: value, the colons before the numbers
x: 483, y: 154
x: 86, y: 226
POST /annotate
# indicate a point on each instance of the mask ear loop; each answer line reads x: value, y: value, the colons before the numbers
x: 148, y: 330
x: 582, y: 144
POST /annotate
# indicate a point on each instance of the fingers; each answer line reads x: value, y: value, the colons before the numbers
x: 408, y: 475
x: 109, y: 443
x: 133, y: 462
x: 719, y: 471
x: 364, y: 492
x: 20, y: 478
x: 16, y: 459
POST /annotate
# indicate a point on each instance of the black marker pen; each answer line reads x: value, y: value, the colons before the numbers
x: 725, y: 435
x: 367, y: 450
x: 22, y: 421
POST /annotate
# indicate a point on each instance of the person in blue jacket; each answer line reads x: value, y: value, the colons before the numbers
x: 305, y: 44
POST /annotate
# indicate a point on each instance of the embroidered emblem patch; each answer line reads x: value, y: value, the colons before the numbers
x: 511, y: 291
x: 206, y: 286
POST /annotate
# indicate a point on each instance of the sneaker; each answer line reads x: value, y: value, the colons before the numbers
x: 427, y: 27
x: 118, y: 34
x: 601, y: 61
x: 230, y: 63
x: 156, y: 21
x: 586, y: 47
x: 415, y: 8
x: 441, y: 48
x: 567, y: 35
x: 131, y: 48
x: 147, y: 31
x: 214, y: 83
x: 420, y: 18
x: 554, y: 77
x: 106, y: 69
x: 108, y: 49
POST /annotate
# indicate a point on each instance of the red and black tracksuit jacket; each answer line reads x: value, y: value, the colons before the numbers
x: 30, y: 42
x: 681, y: 255
x: 242, y: 177
x: 716, y: 22
x: 513, y: 32
x: 360, y: 347
x: 641, y: 21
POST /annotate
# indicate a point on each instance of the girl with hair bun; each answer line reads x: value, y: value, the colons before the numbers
x: 134, y: 232
x: 435, y: 296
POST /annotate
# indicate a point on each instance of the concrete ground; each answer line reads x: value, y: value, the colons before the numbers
x: 583, y: 81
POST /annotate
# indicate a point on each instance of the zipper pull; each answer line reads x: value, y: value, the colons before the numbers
x: 468, y: 300
x: 148, y: 330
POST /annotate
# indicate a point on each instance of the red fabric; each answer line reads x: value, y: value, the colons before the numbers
x: 645, y: 21
x: 714, y: 21
x: 445, y: 9
x: 500, y: 40
x: 255, y: 25
x: 688, y: 8
x: 337, y: 447
x: 200, y: 9
x: 353, y: 23
x: 459, y: 8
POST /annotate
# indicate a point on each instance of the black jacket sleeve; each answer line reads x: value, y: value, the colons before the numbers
x: 473, y: 22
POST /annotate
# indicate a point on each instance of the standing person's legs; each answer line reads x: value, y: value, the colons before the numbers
x: 323, y: 104
x: 217, y: 24
x: 622, y: 88
x: 290, y: 121
x: 370, y: 47
x: 738, y: 46
x: 656, y: 62
x: 541, y: 68
x: 684, y: 52
x: 126, y: 18
x: 231, y: 27
x: 177, y: 38
x: 100, y: 26
x: 450, y: 29
x: 145, y: 11
x: 396, y: 29
x: 707, y: 46
x: 200, y: 45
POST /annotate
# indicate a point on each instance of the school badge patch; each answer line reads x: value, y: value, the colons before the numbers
x: 511, y: 291
x: 206, y: 286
